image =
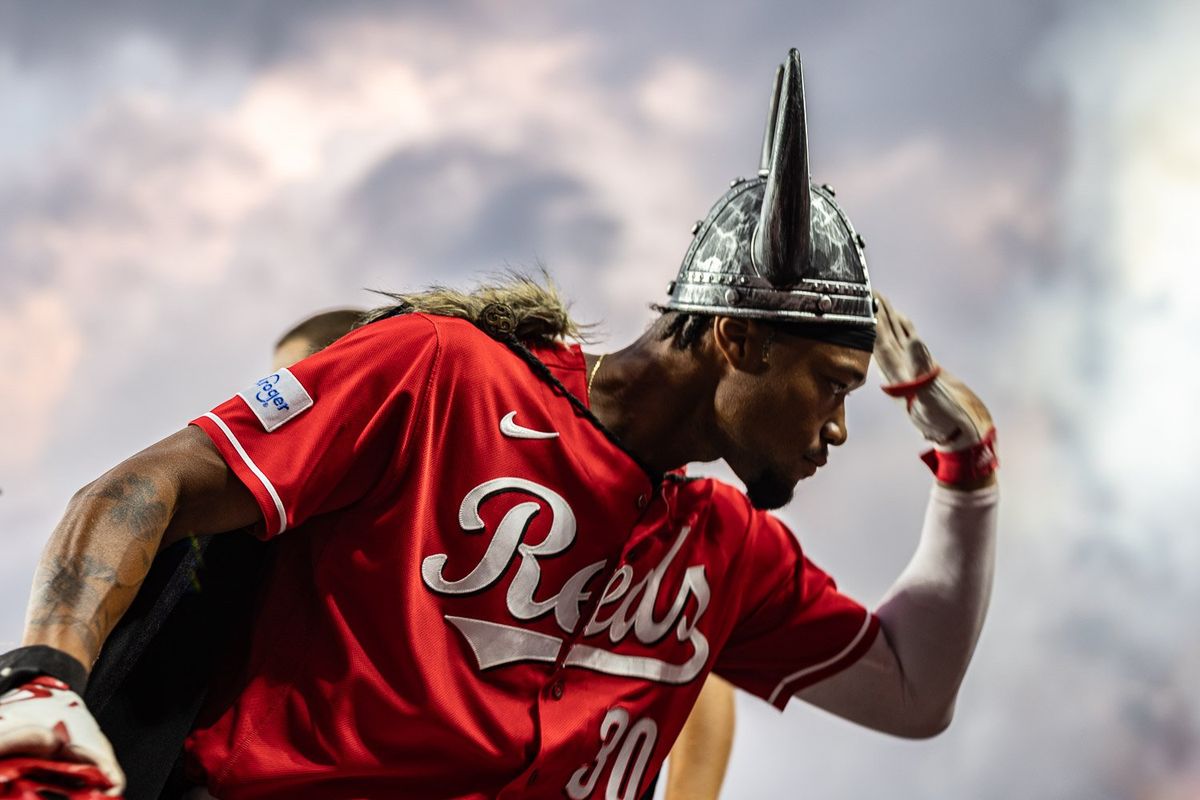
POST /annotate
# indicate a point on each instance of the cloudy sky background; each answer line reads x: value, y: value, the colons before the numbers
x: 181, y: 182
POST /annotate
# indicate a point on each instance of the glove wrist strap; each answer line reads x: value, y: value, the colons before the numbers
x: 963, y: 466
x: 18, y: 667
x: 908, y: 389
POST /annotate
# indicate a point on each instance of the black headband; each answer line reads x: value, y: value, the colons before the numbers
x: 858, y: 337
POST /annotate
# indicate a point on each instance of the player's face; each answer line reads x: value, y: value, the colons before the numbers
x: 781, y: 419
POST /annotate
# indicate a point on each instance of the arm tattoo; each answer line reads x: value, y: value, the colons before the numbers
x: 76, y: 595
x: 135, y: 504
x: 98, y: 558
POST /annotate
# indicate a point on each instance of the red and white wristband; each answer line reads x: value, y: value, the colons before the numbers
x: 957, y: 467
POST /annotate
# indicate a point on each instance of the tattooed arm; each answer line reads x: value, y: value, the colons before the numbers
x: 100, y: 553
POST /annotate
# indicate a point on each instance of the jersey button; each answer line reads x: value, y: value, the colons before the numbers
x: 642, y: 500
x: 556, y: 689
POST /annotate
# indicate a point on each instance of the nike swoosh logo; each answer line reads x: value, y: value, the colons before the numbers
x: 514, y: 431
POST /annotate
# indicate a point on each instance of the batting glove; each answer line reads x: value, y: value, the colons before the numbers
x: 943, y: 409
x: 44, y: 719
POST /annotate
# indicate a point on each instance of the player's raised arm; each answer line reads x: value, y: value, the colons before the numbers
x: 89, y: 573
x: 931, y: 618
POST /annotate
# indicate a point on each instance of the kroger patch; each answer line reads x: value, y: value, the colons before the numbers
x: 276, y: 398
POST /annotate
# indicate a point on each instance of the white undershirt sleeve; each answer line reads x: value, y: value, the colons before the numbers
x: 933, y: 614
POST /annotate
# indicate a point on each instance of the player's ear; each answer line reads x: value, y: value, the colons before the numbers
x: 739, y: 343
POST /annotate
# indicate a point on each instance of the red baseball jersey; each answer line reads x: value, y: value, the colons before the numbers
x: 476, y: 595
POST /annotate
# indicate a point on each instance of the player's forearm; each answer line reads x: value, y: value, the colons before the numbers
x: 97, y: 558
x: 933, y: 615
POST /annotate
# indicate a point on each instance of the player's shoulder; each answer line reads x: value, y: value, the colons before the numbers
x: 453, y: 334
x: 462, y: 352
x: 400, y: 326
x: 402, y: 339
x: 415, y: 329
x: 726, y: 503
x: 728, y: 508
x: 708, y: 488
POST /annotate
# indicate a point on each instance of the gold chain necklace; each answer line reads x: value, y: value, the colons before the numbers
x: 595, y: 369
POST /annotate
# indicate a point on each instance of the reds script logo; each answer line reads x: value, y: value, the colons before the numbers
x: 624, y: 607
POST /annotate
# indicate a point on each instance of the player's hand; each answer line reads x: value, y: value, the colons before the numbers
x: 944, y: 410
x: 45, y: 719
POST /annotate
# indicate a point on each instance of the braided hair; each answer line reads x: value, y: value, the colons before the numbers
x: 684, y: 329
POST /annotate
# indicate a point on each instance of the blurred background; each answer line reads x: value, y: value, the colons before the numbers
x: 179, y: 183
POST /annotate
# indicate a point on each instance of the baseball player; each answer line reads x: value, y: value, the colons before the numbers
x: 492, y: 577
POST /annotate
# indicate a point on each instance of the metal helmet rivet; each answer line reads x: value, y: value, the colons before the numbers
x: 732, y: 297
x: 825, y: 304
x: 696, y: 228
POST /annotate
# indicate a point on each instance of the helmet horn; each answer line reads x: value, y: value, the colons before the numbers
x: 783, y: 239
x: 764, y: 162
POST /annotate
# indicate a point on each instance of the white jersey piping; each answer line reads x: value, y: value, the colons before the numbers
x: 816, y: 667
x: 258, y: 473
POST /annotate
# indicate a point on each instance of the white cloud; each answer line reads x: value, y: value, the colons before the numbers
x: 680, y: 97
x: 1133, y: 195
x: 40, y: 347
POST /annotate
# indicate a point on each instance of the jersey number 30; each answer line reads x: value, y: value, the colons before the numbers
x: 636, y: 742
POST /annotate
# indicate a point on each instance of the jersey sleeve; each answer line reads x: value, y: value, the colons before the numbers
x: 317, y: 436
x: 794, y: 627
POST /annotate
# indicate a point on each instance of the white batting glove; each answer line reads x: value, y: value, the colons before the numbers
x: 943, y: 409
x: 45, y: 719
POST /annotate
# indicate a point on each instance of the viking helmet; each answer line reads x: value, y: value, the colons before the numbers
x: 776, y: 247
